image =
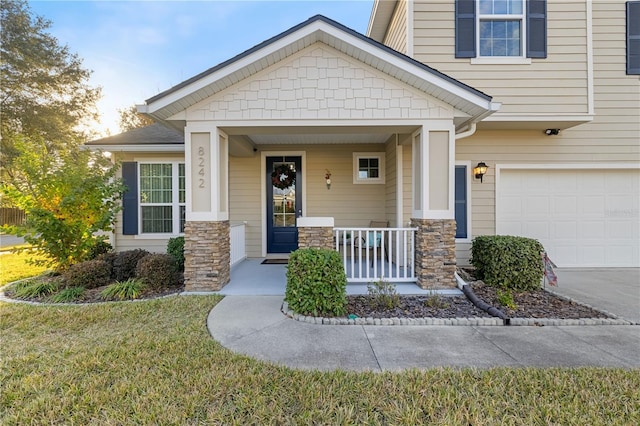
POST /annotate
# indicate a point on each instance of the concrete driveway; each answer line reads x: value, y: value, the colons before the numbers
x: 615, y: 290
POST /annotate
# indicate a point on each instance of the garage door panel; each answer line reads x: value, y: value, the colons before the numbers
x: 582, y: 217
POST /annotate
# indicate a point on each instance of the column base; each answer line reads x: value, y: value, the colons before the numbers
x: 207, y: 256
x: 435, y: 253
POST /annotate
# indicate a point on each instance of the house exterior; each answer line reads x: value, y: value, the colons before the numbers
x: 307, y: 137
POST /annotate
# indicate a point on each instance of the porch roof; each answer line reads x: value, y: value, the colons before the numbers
x: 471, y: 102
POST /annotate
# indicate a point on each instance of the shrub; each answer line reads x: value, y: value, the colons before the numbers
x: 110, y: 258
x: 123, y: 290
x: 505, y: 298
x: 175, y: 247
x: 316, y: 283
x: 69, y: 294
x: 383, y: 294
x: 508, y: 262
x: 100, y: 247
x: 158, y: 270
x: 35, y: 288
x: 89, y: 274
x: 124, y: 265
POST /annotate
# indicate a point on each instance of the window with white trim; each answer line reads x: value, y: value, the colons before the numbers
x: 368, y: 167
x: 501, y: 28
x: 162, y: 197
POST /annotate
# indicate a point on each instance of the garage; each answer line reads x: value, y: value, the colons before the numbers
x: 584, y: 218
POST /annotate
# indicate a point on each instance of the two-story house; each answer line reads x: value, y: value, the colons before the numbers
x: 449, y: 119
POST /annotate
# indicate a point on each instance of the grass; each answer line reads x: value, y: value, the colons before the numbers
x: 153, y: 362
x: 14, y: 266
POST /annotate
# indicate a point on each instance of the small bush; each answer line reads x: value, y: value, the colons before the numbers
x: 99, y: 248
x: 436, y: 302
x: 505, y: 298
x: 508, y: 262
x: 316, y: 283
x: 110, y: 258
x: 69, y: 294
x: 35, y: 288
x: 89, y: 274
x: 123, y: 290
x: 124, y: 265
x: 158, y: 270
x: 383, y: 294
x: 175, y: 247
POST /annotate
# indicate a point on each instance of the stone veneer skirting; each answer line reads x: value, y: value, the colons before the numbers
x: 435, y: 252
x: 207, y: 255
x: 315, y: 237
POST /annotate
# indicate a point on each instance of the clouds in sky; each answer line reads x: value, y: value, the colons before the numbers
x: 137, y: 49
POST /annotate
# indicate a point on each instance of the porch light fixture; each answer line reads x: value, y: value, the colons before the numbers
x: 552, y: 132
x: 480, y: 170
x: 327, y: 177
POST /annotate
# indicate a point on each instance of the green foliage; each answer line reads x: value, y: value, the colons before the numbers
x: 158, y: 270
x: 131, y: 119
x: 123, y: 290
x: 100, y: 247
x: 89, y: 274
x: 505, y: 298
x: 508, y: 262
x: 316, y: 283
x: 44, y: 93
x: 175, y: 247
x: 124, y: 265
x: 34, y: 288
x: 68, y: 198
x: 436, y: 301
x: 69, y: 294
x: 110, y: 258
x: 383, y: 294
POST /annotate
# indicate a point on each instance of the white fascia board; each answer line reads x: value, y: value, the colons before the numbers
x: 540, y: 117
x: 138, y: 148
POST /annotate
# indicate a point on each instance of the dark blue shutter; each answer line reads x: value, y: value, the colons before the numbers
x: 465, y: 29
x: 130, y: 198
x: 461, y: 201
x: 536, y: 29
x: 633, y: 37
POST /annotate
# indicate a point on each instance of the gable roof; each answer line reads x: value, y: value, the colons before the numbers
x: 153, y: 136
x: 170, y: 103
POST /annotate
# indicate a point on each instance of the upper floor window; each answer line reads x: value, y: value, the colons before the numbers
x: 500, y: 27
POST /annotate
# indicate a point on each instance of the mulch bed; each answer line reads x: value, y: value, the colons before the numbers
x: 416, y: 307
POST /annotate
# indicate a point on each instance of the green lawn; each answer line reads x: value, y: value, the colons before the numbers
x: 14, y: 266
x: 154, y: 362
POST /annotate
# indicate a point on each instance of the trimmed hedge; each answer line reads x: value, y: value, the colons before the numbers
x: 175, y: 247
x: 508, y: 262
x: 158, y: 270
x: 89, y: 274
x: 124, y: 265
x: 316, y: 283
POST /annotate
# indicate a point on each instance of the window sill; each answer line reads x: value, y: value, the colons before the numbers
x: 157, y: 236
x: 500, y: 61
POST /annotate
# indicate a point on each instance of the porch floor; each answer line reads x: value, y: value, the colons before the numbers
x: 251, y: 278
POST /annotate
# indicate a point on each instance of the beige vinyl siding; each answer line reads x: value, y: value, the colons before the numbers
x: 396, y: 36
x: 555, y: 85
x: 131, y: 242
x: 349, y: 204
x: 391, y: 199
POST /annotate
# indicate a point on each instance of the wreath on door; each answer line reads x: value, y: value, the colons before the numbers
x: 283, y: 177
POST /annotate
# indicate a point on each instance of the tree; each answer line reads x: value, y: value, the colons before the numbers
x: 131, y: 119
x: 69, y: 198
x: 44, y: 95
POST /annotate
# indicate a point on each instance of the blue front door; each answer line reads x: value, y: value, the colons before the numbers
x: 284, y: 202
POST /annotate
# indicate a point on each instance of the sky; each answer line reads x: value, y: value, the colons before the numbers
x: 137, y: 49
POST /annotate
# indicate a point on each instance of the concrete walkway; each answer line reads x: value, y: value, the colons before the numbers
x: 255, y: 326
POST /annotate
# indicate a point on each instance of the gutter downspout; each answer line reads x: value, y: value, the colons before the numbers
x: 471, y: 129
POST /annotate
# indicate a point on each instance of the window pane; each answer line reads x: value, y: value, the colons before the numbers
x: 183, y: 215
x: 181, y: 184
x: 500, y: 38
x: 155, y: 183
x: 157, y: 219
x: 500, y: 7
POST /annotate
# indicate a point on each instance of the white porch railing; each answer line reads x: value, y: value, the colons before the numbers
x: 237, y: 243
x: 370, y: 254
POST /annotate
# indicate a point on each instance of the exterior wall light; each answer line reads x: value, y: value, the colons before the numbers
x: 551, y: 132
x: 327, y: 177
x: 480, y: 170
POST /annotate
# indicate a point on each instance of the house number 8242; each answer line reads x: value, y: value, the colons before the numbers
x: 201, y: 166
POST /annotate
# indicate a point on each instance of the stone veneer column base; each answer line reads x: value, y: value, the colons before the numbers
x: 315, y: 237
x: 207, y: 255
x: 435, y: 252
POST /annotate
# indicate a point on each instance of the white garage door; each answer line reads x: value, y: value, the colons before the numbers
x: 584, y: 218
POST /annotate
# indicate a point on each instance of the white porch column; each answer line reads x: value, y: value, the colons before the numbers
x: 206, y: 247
x: 433, y: 204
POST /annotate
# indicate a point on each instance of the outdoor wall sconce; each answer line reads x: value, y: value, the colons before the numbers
x: 327, y: 177
x: 480, y: 170
x: 551, y: 132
